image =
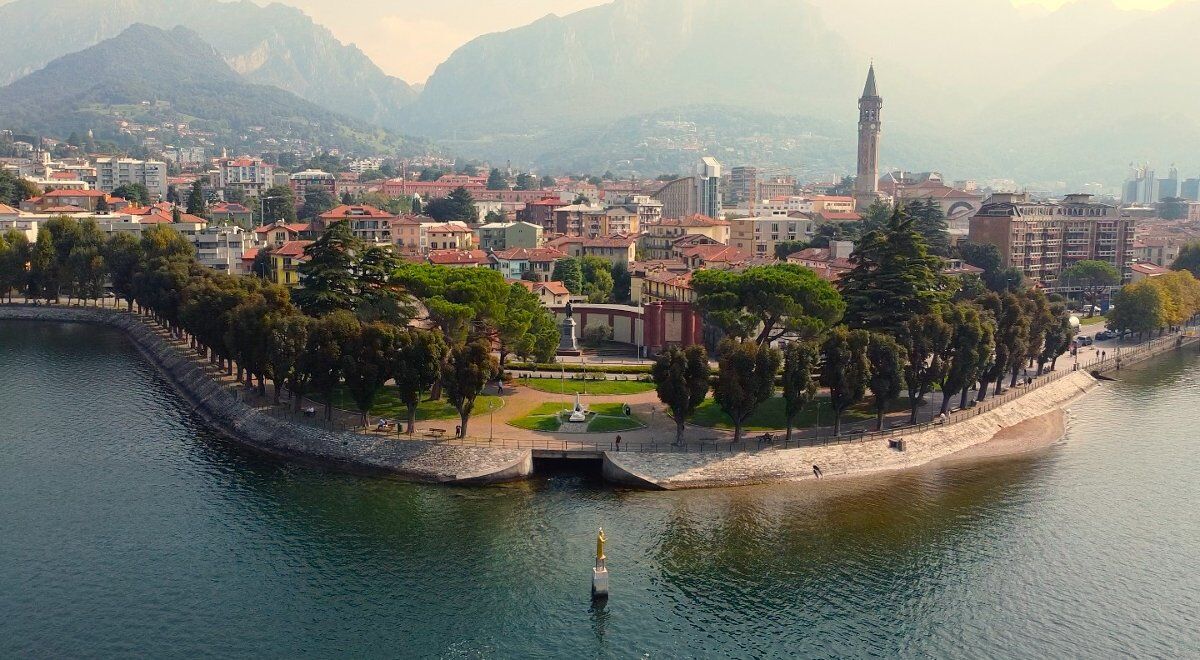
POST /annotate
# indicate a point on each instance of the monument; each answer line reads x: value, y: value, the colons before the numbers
x: 567, y: 343
x: 578, y: 413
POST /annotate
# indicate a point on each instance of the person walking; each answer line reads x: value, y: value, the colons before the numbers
x: 618, y: 443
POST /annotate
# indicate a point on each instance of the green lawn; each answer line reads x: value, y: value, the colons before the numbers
x: 770, y: 416
x: 587, y: 387
x: 387, y: 404
x: 1095, y: 320
x: 606, y: 418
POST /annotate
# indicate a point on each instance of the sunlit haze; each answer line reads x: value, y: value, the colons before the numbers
x: 409, y: 39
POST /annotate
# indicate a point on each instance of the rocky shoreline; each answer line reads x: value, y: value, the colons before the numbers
x: 221, y: 407
x: 1006, y: 428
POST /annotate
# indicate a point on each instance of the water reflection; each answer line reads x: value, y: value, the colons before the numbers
x: 130, y: 526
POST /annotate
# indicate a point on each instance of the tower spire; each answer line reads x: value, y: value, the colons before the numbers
x: 870, y: 91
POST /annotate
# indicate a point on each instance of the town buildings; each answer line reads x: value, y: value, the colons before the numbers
x: 367, y: 223
x: 508, y: 235
x: 708, y: 188
x: 1042, y: 238
x: 224, y: 248
x: 309, y: 182
x: 113, y: 172
x: 760, y: 235
x: 535, y: 264
x: 658, y: 239
x: 251, y: 176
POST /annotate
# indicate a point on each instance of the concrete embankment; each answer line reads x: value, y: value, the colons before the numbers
x: 220, y: 406
x: 671, y: 471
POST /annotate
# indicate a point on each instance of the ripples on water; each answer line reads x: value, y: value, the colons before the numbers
x: 130, y: 529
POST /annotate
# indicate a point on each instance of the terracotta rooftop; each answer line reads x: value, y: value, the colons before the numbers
x: 458, y: 257
x: 293, y: 249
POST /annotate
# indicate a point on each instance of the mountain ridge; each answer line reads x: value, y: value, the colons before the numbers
x: 189, y: 82
x: 275, y: 45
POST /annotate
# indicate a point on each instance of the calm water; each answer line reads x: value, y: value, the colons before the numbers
x: 126, y: 529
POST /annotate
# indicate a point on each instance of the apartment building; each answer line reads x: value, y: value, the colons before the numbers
x: 1043, y: 238
x: 760, y: 234
x: 508, y: 235
x: 311, y: 181
x: 367, y: 223
x: 112, y: 173
x: 224, y: 248
x: 658, y: 239
x: 249, y: 175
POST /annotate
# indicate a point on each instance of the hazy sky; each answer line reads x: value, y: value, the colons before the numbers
x: 409, y: 38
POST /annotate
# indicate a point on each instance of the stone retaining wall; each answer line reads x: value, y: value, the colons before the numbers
x: 221, y: 408
x: 670, y: 471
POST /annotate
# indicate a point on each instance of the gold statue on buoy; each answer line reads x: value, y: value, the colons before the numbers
x: 600, y: 572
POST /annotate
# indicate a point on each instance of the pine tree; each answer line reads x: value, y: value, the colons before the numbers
x: 894, y: 278
x: 195, y: 201
x: 327, y: 280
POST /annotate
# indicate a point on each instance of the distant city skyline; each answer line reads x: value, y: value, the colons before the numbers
x: 410, y: 39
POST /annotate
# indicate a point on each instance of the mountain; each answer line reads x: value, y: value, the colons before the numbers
x: 978, y: 89
x: 146, y: 78
x: 636, y: 56
x: 273, y: 45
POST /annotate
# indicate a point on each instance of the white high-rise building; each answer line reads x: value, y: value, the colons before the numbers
x: 708, y: 188
x: 112, y: 173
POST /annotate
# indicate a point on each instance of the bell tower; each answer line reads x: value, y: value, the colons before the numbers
x: 870, y: 126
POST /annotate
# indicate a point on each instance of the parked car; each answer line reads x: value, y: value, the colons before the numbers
x: 1085, y: 341
x: 1104, y: 334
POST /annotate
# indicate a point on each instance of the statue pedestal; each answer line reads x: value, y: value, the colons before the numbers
x: 600, y: 582
x: 567, y: 343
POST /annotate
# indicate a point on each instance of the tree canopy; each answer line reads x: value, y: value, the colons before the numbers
x: 766, y: 303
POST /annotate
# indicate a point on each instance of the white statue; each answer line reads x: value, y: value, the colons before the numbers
x: 578, y: 414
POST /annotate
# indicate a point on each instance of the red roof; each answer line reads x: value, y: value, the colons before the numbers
x: 554, y: 288
x: 292, y: 249
x: 355, y: 211
x: 293, y: 227
x: 250, y: 255
x: 64, y: 209
x: 76, y: 193
x: 715, y: 253
x: 458, y: 257
x: 549, y: 201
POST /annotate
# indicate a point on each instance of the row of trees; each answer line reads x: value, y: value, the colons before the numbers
x: 1156, y: 303
x: 892, y: 326
x: 359, y: 321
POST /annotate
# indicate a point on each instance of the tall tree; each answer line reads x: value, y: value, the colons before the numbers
x: 1188, y: 259
x: 745, y: 379
x: 930, y: 221
x: 967, y: 340
x: 322, y: 359
x: 800, y: 362
x: 458, y: 205
x: 464, y: 376
x: 888, y: 361
x: 570, y: 273
x: 417, y: 365
x: 894, y: 278
x: 17, y: 254
x: 926, y: 340
x: 497, y: 180
x: 277, y: 204
x: 1094, y: 277
x: 327, y: 278
x: 122, y: 255
x: 316, y: 203
x: 681, y: 378
x: 845, y: 370
x: 526, y: 329
x: 195, y: 200
x: 368, y: 364
x: 1138, y: 308
x: 286, y: 339
x: 597, y: 279
x: 767, y: 303
x: 622, y: 283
